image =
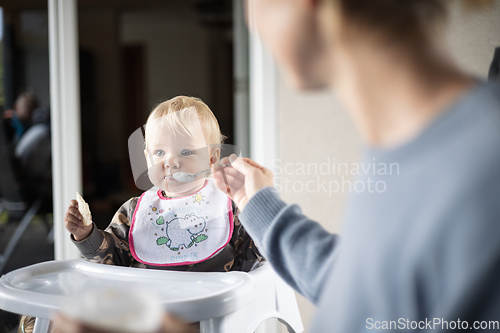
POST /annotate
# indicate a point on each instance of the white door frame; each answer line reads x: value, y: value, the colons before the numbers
x: 264, y: 116
x: 65, y: 117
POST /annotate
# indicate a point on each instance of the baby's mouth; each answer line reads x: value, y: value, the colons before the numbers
x: 169, y: 176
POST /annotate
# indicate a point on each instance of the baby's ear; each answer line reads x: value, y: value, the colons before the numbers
x: 215, y: 156
x: 146, y: 155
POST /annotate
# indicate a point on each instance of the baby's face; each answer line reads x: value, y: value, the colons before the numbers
x: 168, y: 153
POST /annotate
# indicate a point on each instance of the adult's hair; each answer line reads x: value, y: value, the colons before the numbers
x: 395, y: 22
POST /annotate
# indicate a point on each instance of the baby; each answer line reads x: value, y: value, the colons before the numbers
x: 184, y: 222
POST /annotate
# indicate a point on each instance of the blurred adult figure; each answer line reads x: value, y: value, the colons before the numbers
x: 422, y: 250
x: 27, y: 128
x: 34, y: 148
x: 19, y: 118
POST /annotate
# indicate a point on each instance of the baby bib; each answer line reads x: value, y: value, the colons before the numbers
x: 180, y: 231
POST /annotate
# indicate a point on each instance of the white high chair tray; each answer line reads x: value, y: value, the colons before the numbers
x: 39, y: 290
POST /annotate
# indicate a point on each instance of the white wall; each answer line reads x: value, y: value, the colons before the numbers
x: 315, y: 128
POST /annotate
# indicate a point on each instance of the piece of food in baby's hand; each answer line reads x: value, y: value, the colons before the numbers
x: 84, y: 209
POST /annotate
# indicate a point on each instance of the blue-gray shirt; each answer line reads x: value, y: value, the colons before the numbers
x: 419, y: 250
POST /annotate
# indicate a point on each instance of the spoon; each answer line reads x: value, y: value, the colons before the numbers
x: 186, y: 177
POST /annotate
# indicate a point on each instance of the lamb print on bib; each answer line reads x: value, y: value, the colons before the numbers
x: 180, y: 231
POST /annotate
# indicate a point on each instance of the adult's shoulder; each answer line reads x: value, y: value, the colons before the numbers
x: 484, y: 102
x: 467, y: 136
x: 480, y: 129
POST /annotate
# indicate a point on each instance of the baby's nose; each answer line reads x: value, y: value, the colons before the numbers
x: 172, y: 162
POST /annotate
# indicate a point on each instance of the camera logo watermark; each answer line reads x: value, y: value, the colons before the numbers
x: 331, y: 177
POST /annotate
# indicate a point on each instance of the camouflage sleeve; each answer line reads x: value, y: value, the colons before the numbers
x: 247, y: 253
x: 110, y: 246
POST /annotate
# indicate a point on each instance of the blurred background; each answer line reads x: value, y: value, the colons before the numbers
x: 132, y: 55
x: 135, y: 54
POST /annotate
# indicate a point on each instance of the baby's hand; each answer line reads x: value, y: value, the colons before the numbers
x: 73, y: 221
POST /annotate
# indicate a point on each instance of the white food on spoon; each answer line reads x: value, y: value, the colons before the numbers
x: 186, y: 177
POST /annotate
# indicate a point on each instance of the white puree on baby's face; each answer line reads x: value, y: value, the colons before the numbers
x: 184, y: 177
x: 187, y: 177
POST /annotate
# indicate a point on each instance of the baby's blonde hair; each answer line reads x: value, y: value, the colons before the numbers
x: 179, y: 112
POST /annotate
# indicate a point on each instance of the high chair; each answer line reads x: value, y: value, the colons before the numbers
x: 221, y: 302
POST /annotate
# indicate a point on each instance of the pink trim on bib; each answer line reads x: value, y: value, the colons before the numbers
x: 130, y: 236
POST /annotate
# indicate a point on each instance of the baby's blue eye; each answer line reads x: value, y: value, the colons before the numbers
x: 186, y: 152
x: 159, y: 153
